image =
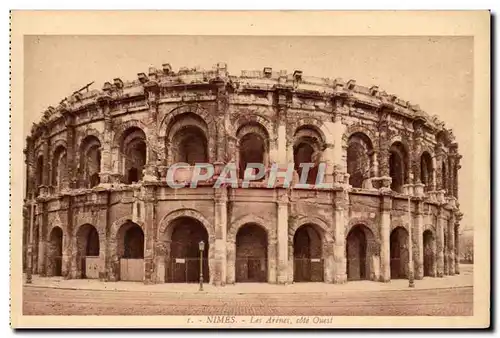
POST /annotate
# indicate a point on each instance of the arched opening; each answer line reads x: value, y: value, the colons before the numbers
x: 307, y: 255
x: 426, y: 170
x: 87, y: 239
x: 360, y: 248
x: 130, y: 251
x: 429, y: 254
x: 359, y: 153
x: 184, y: 258
x: 251, y: 254
x: 133, y: 151
x: 190, y: 144
x: 59, y: 170
x: 307, y: 148
x: 253, y: 146
x: 39, y: 174
x: 398, y: 166
x: 399, y: 253
x: 55, y: 251
x: 90, y: 162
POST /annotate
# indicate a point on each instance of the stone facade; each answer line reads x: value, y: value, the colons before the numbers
x: 97, y: 197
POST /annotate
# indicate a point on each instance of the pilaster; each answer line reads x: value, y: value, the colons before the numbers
x: 149, y: 202
x: 451, y: 243
x: 440, y: 242
x: 106, y: 169
x: 220, y: 216
x: 385, y: 232
x: 419, y: 239
x: 282, y: 235
x: 42, y: 245
x: 458, y: 218
x: 341, y: 203
x: 152, y: 90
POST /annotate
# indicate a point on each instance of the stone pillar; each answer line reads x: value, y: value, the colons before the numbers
x: 457, y: 245
x: 418, y: 239
x: 106, y: 169
x: 152, y: 90
x: 451, y: 243
x: 220, y: 216
x: 68, y: 239
x: 282, y: 236
x: 42, y: 245
x: 44, y: 189
x: 284, y: 146
x: 71, y: 165
x: 341, y: 201
x: 385, y: 233
x: 291, y: 261
x: 103, y: 243
x: 272, y: 260
x: 162, y: 260
x: 383, y: 153
x: 329, y: 262
x: 440, y: 242
x: 231, y: 262
x: 149, y: 203
x: 439, y: 168
x: 434, y: 175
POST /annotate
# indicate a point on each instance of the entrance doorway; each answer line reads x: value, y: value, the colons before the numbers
x: 358, y: 264
x: 251, y: 254
x: 399, y: 253
x: 131, y: 252
x: 55, y: 252
x: 184, y: 263
x: 88, y: 251
x: 429, y: 253
x: 307, y: 255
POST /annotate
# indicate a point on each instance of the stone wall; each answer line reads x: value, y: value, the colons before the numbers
x: 100, y: 158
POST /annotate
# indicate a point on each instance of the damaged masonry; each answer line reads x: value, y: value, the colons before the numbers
x: 98, y: 204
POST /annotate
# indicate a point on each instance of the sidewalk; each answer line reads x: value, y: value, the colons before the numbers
x: 464, y: 279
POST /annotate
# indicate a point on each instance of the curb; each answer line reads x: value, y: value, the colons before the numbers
x: 240, y: 293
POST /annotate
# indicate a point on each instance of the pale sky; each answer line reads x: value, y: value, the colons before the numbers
x: 434, y: 72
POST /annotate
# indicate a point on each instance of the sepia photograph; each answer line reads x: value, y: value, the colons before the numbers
x: 250, y: 179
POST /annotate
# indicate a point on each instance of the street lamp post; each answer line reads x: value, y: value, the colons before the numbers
x: 201, y: 246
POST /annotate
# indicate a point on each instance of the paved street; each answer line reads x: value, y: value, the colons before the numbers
x: 440, y: 302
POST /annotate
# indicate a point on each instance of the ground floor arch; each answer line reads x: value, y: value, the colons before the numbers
x: 399, y: 250
x: 183, y: 262
x: 360, y: 253
x: 308, y: 254
x: 429, y: 254
x: 251, y: 254
x: 130, y: 251
x: 88, y: 251
x: 55, y: 252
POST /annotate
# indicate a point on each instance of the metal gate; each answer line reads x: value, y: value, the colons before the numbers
x: 356, y: 269
x: 398, y: 268
x: 308, y: 270
x: 251, y: 270
x: 187, y: 270
x: 57, y: 265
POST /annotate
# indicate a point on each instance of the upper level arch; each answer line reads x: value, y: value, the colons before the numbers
x: 195, y: 109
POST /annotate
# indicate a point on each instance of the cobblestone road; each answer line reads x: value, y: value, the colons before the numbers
x: 439, y: 302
